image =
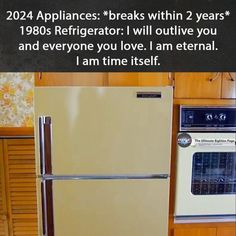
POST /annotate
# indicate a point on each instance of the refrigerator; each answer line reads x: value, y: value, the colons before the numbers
x: 103, y: 160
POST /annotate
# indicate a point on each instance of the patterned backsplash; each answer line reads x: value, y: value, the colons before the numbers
x: 16, y: 99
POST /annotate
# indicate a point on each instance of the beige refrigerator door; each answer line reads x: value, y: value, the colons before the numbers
x: 110, y: 207
x: 97, y: 130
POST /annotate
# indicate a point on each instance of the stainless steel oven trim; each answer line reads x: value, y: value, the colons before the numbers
x: 203, y: 129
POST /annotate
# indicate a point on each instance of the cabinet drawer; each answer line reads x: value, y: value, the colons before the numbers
x: 195, y: 232
x: 226, y: 231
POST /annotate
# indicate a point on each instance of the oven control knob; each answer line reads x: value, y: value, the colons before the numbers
x: 209, y: 116
x: 222, y: 116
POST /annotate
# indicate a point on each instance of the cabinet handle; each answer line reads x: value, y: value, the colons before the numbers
x: 215, y: 77
x: 40, y: 75
x: 231, y: 77
x: 170, y: 78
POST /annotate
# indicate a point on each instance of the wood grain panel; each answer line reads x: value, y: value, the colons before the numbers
x: 154, y: 79
x: 229, y: 85
x: 21, y: 186
x: 195, y: 232
x: 226, y: 231
x: 206, y: 102
x: 197, y: 85
x: 3, y: 205
x: 139, y: 79
x: 123, y: 79
x: 65, y: 79
x: 16, y: 131
x: 103, y: 79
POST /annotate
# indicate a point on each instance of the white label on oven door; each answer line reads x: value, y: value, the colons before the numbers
x: 213, y: 142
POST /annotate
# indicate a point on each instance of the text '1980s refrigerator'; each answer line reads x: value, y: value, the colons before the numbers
x: 103, y: 160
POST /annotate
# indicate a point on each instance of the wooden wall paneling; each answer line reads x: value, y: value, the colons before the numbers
x: 229, y: 85
x: 155, y: 79
x: 226, y: 231
x: 195, y: 232
x: 70, y: 79
x: 123, y: 79
x: 19, y: 157
x: 197, y: 85
x: 3, y: 204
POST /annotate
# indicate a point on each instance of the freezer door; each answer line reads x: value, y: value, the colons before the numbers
x: 108, y: 207
x: 105, y: 130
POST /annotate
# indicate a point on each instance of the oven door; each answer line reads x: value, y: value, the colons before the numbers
x: 206, y: 174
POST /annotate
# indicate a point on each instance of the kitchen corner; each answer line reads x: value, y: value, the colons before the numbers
x: 18, y: 205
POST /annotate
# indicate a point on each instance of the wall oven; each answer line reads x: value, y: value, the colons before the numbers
x: 206, y: 162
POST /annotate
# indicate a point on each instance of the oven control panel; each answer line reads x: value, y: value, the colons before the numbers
x: 207, y: 118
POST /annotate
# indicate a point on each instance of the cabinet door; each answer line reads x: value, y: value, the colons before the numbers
x: 229, y: 85
x: 19, y: 158
x: 197, y: 85
x: 3, y: 205
x: 123, y: 79
x: 154, y: 79
x: 226, y: 231
x: 195, y: 232
x: 63, y: 79
x: 139, y: 79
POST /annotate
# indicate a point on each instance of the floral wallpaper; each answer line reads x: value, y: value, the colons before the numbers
x: 16, y: 99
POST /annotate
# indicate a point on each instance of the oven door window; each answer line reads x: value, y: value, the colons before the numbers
x: 213, y: 173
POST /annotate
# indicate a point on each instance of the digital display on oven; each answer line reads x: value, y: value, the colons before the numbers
x: 213, y: 173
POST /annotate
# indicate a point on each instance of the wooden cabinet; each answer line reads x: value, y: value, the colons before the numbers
x: 103, y: 79
x: 195, y: 232
x: 63, y: 79
x: 229, y: 85
x: 3, y: 204
x: 214, y: 230
x: 187, y: 85
x: 197, y: 85
x: 204, y: 229
x: 123, y: 79
x: 139, y: 79
x: 20, y: 186
x: 155, y: 79
x: 205, y: 85
x: 226, y: 231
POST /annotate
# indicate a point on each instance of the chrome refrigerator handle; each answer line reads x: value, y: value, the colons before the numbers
x: 45, y: 139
